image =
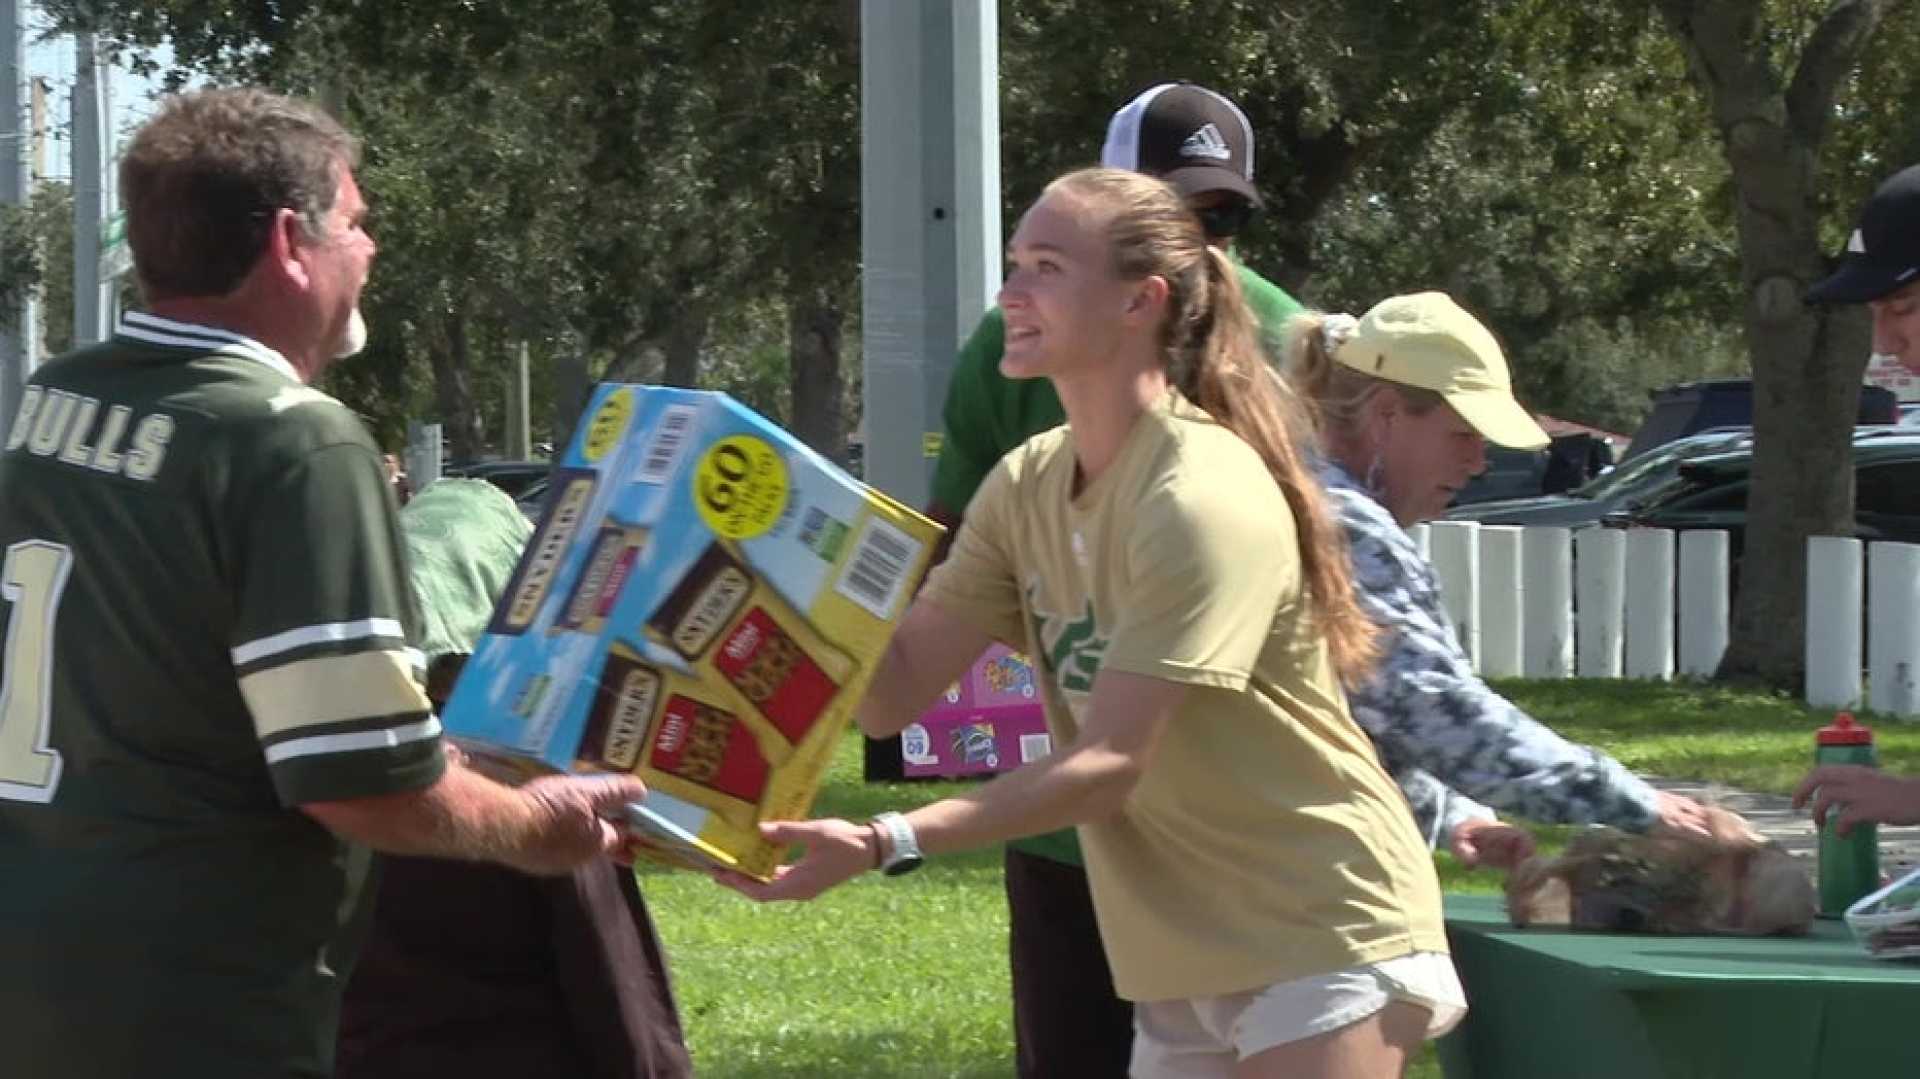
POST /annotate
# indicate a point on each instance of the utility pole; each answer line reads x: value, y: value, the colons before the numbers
x: 115, y: 256
x: 37, y: 111
x: 89, y: 321
x: 519, y: 437
x: 17, y: 333
x: 929, y: 218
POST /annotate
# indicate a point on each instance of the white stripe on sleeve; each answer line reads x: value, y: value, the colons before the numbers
x: 330, y: 632
x: 322, y: 744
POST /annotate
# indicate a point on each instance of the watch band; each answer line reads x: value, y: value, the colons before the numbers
x: 901, y: 850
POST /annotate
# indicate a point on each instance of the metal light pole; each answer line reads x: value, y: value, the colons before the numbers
x: 89, y: 322
x: 929, y: 218
x: 17, y: 327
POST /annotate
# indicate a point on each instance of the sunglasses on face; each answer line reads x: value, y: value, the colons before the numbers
x: 1226, y: 219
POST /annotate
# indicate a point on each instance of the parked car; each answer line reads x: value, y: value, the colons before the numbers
x: 533, y: 499
x: 513, y: 477
x: 1728, y: 402
x: 1711, y: 492
x: 1622, y: 487
x: 1510, y: 474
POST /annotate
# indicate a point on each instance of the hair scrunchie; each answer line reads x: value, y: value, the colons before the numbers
x: 1337, y: 330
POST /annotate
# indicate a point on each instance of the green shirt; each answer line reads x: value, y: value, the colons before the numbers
x: 208, y: 625
x: 987, y: 414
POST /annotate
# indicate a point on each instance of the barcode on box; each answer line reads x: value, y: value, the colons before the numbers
x: 877, y: 572
x: 669, y: 441
x: 1035, y: 746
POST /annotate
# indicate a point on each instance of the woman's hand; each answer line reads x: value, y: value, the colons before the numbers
x: 835, y: 851
x: 1680, y: 815
x: 1490, y: 843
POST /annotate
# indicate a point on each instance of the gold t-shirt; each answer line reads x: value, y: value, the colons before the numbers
x: 1264, y: 842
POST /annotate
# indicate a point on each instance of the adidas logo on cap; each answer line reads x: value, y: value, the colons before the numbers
x: 1207, y: 142
x: 1194, y: 138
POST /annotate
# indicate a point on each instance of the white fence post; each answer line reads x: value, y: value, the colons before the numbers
x: 1893, y: 632
x: 1456, y: 561
x: 1502, y: 644
x: 1650, y: 603
x: 1547, y: 561
x: 1600, y: 560
x: 1833, y: 622
x: 1705, y: 573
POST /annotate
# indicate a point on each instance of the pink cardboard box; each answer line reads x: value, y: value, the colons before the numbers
x: 989, y: 721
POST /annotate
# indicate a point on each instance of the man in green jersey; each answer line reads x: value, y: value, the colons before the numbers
x: 210, y: 689
x: 1067, y: 1018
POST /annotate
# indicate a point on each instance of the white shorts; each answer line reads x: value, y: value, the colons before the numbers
x: 1203, y: 1037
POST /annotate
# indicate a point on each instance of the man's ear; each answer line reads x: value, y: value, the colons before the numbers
x: 1387, y: 404
x: 286, y: 247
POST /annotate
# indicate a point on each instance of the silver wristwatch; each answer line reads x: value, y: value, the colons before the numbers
x: 899, y: 850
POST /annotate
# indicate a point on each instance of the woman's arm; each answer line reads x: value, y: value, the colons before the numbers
x: 930, y: 649
x: 1437, y: 808
x: 1088, y: 780
x: 1426, y: 707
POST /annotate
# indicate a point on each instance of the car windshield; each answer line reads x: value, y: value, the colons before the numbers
x: 1648, y: 468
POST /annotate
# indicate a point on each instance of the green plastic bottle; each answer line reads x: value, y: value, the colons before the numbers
x: 1849, y: 864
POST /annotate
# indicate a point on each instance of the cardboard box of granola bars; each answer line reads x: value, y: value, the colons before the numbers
x: 702, y: 604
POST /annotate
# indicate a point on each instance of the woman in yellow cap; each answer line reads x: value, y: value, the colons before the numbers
x: 1406, y: 398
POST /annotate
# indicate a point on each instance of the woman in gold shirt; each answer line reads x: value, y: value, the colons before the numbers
x: 1169, y: 561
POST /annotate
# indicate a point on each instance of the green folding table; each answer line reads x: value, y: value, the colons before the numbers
x: 1558, y: 1004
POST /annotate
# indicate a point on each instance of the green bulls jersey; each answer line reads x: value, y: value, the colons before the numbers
x: 207, y: 625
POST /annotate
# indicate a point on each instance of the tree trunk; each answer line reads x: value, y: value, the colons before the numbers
x: 1325, y: 162
x: 814, y: 329
x: 450, y: 353
x: 1808, y: 363
x: 685, y: 338
x: 572, y: 385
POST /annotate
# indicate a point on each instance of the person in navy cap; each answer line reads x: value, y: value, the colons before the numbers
x: 1881, y: 268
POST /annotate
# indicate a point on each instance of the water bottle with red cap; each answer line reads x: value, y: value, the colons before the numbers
x: 1849, y: 864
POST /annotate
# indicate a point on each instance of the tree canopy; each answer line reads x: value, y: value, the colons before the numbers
x: 1630, y: 192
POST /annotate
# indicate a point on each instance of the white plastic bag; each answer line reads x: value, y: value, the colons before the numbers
x: 1887, y: 922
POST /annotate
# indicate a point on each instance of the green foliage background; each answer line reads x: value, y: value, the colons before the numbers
x: 557, y: 174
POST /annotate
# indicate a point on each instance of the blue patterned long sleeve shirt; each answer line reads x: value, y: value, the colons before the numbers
x: 1442, y: 732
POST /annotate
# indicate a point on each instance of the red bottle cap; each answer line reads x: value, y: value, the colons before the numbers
x: 1843, y: 731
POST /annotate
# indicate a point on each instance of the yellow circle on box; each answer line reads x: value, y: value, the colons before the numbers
x: 608, y: 425
x: 740, y: 486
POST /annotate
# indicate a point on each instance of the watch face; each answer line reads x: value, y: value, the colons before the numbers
x: 905, y: 865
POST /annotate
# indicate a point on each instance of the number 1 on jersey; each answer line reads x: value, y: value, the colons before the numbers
x: 31, y: 580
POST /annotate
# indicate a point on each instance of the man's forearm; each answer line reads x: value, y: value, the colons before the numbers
x: 463, y: 815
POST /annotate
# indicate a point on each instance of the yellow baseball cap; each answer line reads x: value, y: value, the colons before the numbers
x: 1424, y: 339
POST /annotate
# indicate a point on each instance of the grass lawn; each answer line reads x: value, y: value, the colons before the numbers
x: 1738, y: 738
x: 907, y: 977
